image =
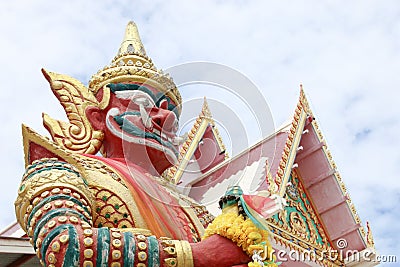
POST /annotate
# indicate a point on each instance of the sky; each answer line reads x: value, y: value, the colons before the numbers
x: 345, y: 53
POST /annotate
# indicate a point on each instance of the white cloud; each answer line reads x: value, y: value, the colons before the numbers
x: 346, y: 54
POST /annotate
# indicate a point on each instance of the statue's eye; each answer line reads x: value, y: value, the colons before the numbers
x: 163, y: 104
x: 143, y: 101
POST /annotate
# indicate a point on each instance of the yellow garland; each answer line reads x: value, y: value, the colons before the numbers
x: 244, y: 233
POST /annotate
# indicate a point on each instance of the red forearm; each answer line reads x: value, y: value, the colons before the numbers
x: 218, y: 251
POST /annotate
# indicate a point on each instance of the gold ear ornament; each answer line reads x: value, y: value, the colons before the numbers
x: 78, y: 135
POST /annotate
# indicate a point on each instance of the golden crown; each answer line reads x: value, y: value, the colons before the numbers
x: 133, y: 65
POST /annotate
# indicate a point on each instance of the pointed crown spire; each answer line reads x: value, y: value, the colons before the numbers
x: 131, y: 41
x: 131, y: 64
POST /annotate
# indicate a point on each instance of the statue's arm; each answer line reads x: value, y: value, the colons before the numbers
x: 55, y: 206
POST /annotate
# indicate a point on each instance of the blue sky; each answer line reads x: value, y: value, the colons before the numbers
x: 347, y: 56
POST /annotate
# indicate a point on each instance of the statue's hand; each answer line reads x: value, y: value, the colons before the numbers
x: 243, y: 233
x: 218, y: 251
x: 242, y: 225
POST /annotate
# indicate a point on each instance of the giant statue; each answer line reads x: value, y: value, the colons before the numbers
x: 93, y: 194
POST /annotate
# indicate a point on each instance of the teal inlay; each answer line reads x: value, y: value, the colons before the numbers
x: 156, y: 98
x: 71, y: 257
x: 103, y: 247
x: 291, y: 209
x: 104, y: 198
x: 229, y: 203
x: 115, y: 220
x: 319, y: 238
x: 132, y: 129
x: 160, y: 96
x: 120, y: 118
x: 129, y: 249
x: 153, y: 253
x: 72, y: 253
x: 43, y: 163
x: 131, y: 87
x: 46, y: 242
x: 51, y: 214
x: 107, y: 215
x: 234, y: 190
x: 116, y: 206
x: 52, y: 198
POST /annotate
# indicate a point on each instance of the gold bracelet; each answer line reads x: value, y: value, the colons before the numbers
x: 187, y: 251
x: 179, y: 252
x: 180, y: 255
x: 169, y: 248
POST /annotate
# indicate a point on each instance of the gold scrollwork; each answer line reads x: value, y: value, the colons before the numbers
x: 297, y: 223
x: 299, y: 219
x: 77, y: 136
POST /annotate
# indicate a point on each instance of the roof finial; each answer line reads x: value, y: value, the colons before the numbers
x: 370, y: 239
x: 205, y: 110
x: 131, y: 42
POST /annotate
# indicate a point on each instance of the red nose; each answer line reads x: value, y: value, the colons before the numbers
x: 163, y: 119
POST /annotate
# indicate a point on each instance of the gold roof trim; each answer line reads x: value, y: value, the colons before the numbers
x: 369, y: 237
x: 303, y: 107
x: 292, y: 142
x: 199, y: 126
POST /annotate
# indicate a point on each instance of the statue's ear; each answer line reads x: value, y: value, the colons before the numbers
x: 96, y: 117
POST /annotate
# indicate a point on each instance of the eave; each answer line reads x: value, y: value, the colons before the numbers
x: 15, y: 249
x: 307, y: 151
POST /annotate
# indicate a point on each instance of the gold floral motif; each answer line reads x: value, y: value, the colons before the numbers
x: 298, y: 223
